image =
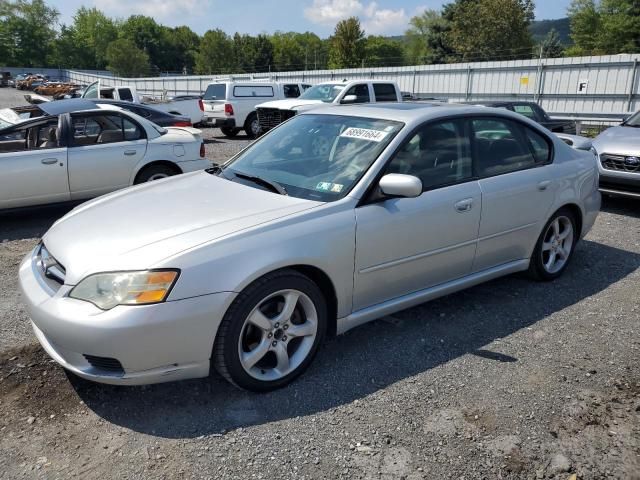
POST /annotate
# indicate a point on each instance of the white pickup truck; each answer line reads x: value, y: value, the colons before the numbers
x: 231, y: 105
x: 188, y: 105
x: 271, y: 114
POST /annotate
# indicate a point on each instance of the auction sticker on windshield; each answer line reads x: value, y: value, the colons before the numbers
x: 364, y: 134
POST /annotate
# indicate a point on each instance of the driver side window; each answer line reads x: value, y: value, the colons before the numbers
x: 361, y: 92
x: 439, y: 154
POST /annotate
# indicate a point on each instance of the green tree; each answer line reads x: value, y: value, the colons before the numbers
x: 427, y: 38
x: 216, y: 53
x: 186, y: 43
x: 620, y: 26
x: 551, y: 45
x: 347, y: 44
x: 288, y: 52
x: 92, y: 31
x: 491, y: 29
x: 254, y: 54
x: 585, y: 27
x: 27, y: 31
x: 382, y: 51
x: 126, y: 59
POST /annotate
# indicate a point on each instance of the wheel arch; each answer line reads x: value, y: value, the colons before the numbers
x: 166, y: 163
x: 320, y: 278
x: 577, y: 214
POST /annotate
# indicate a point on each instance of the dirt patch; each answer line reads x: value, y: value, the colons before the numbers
x: 33, y: 387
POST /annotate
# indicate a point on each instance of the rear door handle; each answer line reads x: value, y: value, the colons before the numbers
x: 130, y: 152
x: 544, y: 185
x: 464, y: 205
x: 49, y: 161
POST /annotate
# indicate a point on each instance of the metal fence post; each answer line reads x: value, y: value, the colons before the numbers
x: 467, y: 94
x: 633, y: 84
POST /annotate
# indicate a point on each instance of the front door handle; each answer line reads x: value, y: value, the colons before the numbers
x: 464, y: 205
x: 130, y: 152
x: 49, y: 161
x: 542, y: 186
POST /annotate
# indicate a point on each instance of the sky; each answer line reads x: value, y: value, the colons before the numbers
x: 379, y: 17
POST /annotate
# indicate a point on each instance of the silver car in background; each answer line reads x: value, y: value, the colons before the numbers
x: 335, y: 218
x: 618, y: 149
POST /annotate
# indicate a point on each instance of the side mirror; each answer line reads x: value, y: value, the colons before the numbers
x: 349, y: 99
x: 399, y: 185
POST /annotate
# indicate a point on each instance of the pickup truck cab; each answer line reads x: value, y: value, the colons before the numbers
x: 188, y: 105
x: 271, y: 114
x: 231, y: 106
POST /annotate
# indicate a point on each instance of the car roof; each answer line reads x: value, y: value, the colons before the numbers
x: 58, y: 107
x: 412, y: 112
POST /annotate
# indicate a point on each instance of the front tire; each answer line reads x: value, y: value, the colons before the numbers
x: 555, y: 246
x: 252, y: 125
x: 271, y: 332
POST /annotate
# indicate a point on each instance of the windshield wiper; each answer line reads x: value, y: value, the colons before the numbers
x: 270, y: 184
x: 215, y: 170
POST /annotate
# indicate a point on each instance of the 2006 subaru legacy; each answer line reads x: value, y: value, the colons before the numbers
x: 335, y: 218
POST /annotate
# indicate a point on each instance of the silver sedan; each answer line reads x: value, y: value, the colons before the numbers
x: 335, y: 218
x: 618, y: 149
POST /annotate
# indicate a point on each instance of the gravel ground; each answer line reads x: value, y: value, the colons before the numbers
x: 510, y: 379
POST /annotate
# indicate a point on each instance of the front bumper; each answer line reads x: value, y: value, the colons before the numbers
x: 153, y: 343
x: 620, y: 183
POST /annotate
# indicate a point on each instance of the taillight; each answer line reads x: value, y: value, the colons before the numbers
x: 182, y: 124
x: 202, y: 150
x: 201, y: 105
x: 228, y: 109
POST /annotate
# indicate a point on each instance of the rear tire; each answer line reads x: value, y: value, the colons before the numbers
x: 252, y: 126
x: 229, y: 132
x: 555, y: 246
x: 271, y: 332
x: 155, y: 172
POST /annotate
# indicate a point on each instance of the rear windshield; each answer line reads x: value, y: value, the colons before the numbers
x: 216, y: 91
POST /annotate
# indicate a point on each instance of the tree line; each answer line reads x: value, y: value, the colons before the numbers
x: 463, y: 30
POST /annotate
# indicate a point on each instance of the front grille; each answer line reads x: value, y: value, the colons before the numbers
x: 272, y: 117
x: 105, y: 364
x: 50, y: 268
x: 620, y: 163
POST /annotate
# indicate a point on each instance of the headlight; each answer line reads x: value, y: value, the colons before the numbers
x: 106, y: 290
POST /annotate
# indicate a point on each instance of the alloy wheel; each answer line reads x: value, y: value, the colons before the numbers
x: 278, y: 335
x: 557, y: 244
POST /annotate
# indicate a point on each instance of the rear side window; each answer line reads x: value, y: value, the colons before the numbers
x: 539, y: 145
x: 501, y: 146
x: 291, y: 91
x: 253, y: 91
x: 215, y: 91
x: 525, y: 110
x: 385, y: 92
x: 125, y: 94
x: 102, y: 129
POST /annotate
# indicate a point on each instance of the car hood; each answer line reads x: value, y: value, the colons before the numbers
x: 619, y: 140
x: 136, y: 228
x: 290, y: 104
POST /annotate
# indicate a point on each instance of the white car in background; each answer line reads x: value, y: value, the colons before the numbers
x: 76, y: 151
x: 231, y: 106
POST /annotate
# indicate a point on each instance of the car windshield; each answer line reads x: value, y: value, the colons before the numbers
x: 633, y: 120
x: 315, y: 157
x: 326, y: 92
